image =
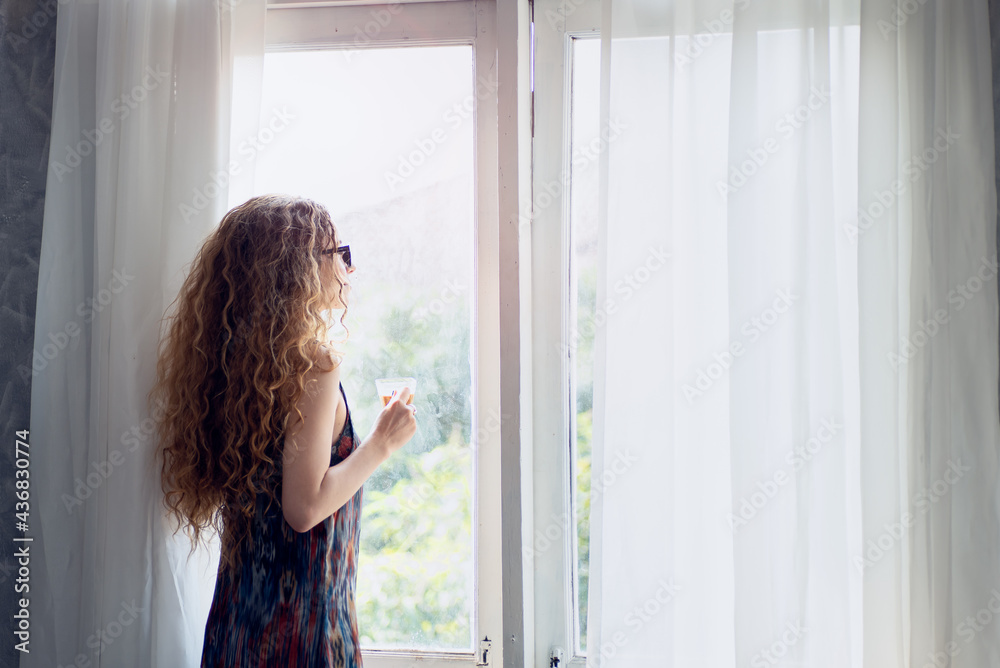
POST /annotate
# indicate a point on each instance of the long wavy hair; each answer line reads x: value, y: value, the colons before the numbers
x: 247, y: 327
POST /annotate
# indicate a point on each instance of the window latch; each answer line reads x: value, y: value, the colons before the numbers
x: 483, y: 657
x: 555, y: 657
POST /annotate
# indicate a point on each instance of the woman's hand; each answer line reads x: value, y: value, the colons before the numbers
x: 396, y: 424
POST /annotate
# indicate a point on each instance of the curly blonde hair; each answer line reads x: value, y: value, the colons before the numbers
x: 231, y: 367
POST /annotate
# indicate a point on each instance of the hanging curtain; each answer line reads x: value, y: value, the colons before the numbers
x: 139, y: 172
x: 809, y: 390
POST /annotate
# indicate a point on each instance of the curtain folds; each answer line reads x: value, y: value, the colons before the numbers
x: 816, y: 478
x: 139, y: 174
x: 815, y: 456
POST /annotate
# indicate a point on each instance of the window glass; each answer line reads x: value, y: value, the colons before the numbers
x: 384, y: 138
x: 586, y: 146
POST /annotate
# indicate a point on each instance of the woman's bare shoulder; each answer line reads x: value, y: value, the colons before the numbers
x: 325, y: 357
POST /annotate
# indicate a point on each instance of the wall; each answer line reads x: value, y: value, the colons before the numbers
x: 27, y: 63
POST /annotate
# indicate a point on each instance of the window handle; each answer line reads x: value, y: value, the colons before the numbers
x: 484, y: 652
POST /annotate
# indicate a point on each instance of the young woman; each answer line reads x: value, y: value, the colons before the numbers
x: 256, y: 440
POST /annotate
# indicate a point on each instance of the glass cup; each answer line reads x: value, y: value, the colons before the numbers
x: 386, y: 386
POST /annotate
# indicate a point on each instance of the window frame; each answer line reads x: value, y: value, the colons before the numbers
x: 557, y: 23
x: 491, y: 28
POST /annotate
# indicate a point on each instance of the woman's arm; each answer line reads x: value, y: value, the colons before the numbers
x: 312, y: 490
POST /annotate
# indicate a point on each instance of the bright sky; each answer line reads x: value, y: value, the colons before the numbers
x: 357, y: 114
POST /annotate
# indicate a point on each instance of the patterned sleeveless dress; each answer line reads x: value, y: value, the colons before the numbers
x: 291, y: 602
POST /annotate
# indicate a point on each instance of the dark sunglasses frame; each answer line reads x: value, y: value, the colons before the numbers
x: 346, y: 250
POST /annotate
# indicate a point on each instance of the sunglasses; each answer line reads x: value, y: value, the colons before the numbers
x: 345, y: 250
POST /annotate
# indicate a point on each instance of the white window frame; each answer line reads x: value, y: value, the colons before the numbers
x: 492, y: 29
x: 556, y: 24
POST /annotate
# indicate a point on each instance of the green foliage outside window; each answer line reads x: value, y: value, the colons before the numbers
x: 414, y: 572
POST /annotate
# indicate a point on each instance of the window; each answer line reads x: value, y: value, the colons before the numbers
x: 569, y: 142
x: 585, y: 147
x: 405, y: 206
x: 384, y: 114
x: 567, y: 146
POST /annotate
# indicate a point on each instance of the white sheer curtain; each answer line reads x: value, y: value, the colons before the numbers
x: 809, y: 390
x: 139, y: 167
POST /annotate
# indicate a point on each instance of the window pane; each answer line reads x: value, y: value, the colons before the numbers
x: 586, y: 146
x: 384, y: 138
